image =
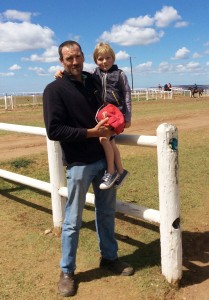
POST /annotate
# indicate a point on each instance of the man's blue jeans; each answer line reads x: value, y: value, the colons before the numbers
x: 79, y: 179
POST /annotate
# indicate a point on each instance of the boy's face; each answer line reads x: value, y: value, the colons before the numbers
x: 104, y: 61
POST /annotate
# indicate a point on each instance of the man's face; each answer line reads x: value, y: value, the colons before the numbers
x: 73, y: 61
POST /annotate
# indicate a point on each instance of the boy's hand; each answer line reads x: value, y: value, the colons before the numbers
x: 58, y: 74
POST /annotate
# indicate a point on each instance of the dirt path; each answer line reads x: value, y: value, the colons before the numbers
x: 148, y: 127
x: 16, y: 145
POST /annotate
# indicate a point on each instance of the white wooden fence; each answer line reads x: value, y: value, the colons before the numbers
x: 168, y: 215
x: 148, y: 94
x: 155, y: 93
x: 9, y: 101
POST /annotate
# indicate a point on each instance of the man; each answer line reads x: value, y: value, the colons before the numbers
x: 70, y: 105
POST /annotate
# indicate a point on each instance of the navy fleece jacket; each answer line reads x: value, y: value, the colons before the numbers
x: 69, y: 108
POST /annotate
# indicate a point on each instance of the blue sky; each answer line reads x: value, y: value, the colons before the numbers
x: 168, y: 41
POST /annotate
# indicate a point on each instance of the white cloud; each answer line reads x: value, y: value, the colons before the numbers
x: 11, y: 14
x: 168, y: 68
x: 121, y: 55
x: 15, y: 67
x: 207, y: 63
x: 180, y: 68
x: 166, y: 16
x: 50, y: 55
x: 196, y: 55
x: 143, y: 30
x: 144, y: 67
x: 193, y: 65
x: 164, y: 67
x: 89, y: 67
x: 182, y: 53
x: 126, y: 69
x: 53, y: 69
x: 73, y: 37
x: 9, y: 74
x: 181, y: 24
x: 141, y: 21
x: 127, y: 35
x: 21, y: 36
x: 39, y: 71
x: 206, y: 44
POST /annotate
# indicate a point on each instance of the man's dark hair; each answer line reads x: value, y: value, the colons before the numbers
x: 68, y: 44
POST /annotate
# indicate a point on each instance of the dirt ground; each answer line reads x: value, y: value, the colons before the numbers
x: 196, y: 240
x: 37, y: 144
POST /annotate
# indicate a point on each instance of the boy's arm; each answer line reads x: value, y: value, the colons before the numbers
x: 127, y: 97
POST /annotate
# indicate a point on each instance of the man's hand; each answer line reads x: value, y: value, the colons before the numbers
x: 100, y: 130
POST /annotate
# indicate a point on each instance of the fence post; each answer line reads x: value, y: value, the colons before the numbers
x: 169, y: 206
x: 57, y: 180
x: 5, y: 102
x: 12, y: 102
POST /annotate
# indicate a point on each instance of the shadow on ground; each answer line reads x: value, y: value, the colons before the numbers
x: 195, y: 257
x: 195, y: 247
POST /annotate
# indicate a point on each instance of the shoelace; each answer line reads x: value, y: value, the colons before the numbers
x: 107, y: 177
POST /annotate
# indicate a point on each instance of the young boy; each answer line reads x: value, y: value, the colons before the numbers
x: 115, y: 90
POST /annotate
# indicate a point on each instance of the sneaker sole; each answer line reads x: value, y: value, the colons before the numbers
x: 105, y: 187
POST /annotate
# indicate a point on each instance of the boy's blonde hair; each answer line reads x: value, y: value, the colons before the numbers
x: 101, y: 49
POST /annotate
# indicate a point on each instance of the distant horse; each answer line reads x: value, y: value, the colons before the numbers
x: 194, y: 91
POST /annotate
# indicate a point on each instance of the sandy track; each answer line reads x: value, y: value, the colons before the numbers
x: 15, y: 145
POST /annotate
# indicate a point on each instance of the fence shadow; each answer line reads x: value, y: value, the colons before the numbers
x: 195, y: 257
x: 195, y: 246
x: 8, y: 194
x: 146, y: 255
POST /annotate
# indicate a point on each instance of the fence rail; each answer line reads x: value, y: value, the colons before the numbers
x: 168, y: 215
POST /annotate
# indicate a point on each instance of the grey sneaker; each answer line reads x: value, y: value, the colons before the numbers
x: 66, y: 284
x: 116, y: 266
x: 108, y: 180
x: 121, y: 178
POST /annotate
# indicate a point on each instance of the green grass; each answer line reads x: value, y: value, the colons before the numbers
x: 33, y: 258
x: 27, y: 115
x: 168, y: 108
x: 19, y: 101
